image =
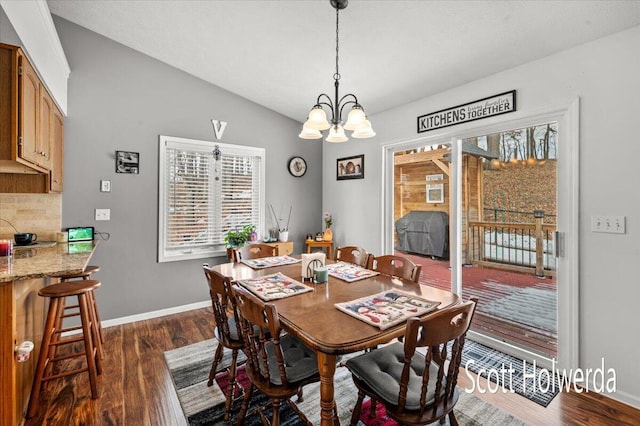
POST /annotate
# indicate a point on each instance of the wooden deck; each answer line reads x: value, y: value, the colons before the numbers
x: 494, y: 287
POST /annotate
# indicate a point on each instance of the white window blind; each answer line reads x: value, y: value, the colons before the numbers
x: 202, y: 198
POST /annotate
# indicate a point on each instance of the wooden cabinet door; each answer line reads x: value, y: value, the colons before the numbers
x: 45, y: 128
x: 28, y: 104
x: 57, y: 152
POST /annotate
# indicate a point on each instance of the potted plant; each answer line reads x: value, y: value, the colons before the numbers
x: 237, y: 238
x: 283, y: 231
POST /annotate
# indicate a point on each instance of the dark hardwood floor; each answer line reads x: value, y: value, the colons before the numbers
x: 136, y: 388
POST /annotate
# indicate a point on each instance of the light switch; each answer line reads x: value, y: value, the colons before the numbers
x: 608, y: 224
x: 105, y: 186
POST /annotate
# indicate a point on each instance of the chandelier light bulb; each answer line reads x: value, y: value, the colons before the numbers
x: 317, y: 119
x: 355, y: 118
x: 308, y: 133
x: 336, y: 134
x: 364, y: 131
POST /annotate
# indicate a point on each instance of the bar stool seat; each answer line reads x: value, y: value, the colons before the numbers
x: 52, y: 338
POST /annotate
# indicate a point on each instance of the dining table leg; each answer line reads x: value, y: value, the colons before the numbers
x: 326, y: 368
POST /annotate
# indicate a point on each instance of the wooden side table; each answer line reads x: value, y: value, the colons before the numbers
x: 322, y: 244
x: 284, y: 248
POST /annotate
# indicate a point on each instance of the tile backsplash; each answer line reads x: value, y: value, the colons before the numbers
x: 37, y: 213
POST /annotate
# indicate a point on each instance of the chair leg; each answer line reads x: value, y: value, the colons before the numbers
x: 245, y: 405
x: 372, y: 408
x: 356, y: 410
x: 231, y: 386
x: 275, y: 416
x: 452, y: 419
x: 214, y: 365
x: 89, y: 347
x: 44, y: 357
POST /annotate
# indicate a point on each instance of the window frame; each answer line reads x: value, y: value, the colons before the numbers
x: 208, y: 250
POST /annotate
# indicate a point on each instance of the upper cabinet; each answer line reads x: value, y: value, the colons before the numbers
x: 31, y: 146
x: 57, y: 152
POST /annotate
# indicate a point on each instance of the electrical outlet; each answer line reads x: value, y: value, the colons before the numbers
x: 105, y: 186
x: 608, y: 224
x: 103, y: 214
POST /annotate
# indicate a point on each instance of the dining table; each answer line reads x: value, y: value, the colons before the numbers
x: 312, y: 316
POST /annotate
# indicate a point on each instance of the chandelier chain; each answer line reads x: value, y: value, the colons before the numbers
x: 336, y: 76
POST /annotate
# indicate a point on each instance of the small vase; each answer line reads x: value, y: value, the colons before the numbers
x: 328, y: 234
x: 283, y: 236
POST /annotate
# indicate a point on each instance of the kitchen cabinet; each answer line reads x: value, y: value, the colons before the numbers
x: 23, y: 313
x: 31, y: 145
x: 57, y: 152
x: 22, y: 317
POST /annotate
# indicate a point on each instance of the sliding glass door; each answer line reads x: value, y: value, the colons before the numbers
x: 505, y: 196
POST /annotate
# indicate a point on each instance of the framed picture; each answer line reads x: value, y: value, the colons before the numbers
x: 127, y: 162
x: 350, y: 167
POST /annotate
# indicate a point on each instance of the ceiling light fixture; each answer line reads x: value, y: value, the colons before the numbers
x: 356, y: 120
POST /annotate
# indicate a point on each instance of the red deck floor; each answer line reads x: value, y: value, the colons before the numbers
x: 510, y: 306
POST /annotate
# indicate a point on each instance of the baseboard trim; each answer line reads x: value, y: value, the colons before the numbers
x: 623, y: 397
x: 155, y: 314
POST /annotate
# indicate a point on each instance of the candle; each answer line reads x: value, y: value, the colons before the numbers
x: 322, y: 275
x: 6, y: 247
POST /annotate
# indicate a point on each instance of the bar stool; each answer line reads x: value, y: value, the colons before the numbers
x: 86, y: 274
x: 52, y: 338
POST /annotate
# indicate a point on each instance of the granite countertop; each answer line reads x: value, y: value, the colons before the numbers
x: 38, y: 262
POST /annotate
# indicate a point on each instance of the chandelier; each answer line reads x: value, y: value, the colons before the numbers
x: 356, y: 120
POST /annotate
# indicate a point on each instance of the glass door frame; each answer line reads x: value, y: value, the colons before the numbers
x: 567, y: 116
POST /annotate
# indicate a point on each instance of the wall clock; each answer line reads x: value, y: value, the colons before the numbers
x: 297, y: 166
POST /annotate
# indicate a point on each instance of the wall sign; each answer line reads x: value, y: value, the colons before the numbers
x: 476, y: 110
x: 218, y: 128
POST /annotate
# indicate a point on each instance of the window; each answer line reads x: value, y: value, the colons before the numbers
x: 201, y: 198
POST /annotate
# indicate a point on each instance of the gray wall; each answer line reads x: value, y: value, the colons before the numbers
x: 8, y: 34
x: 603, y: 74
x: 120, y: 99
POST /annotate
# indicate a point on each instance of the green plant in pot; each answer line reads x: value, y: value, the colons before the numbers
x: 237, y: 238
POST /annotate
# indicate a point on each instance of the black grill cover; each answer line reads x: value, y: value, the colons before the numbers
x: 424, y: 233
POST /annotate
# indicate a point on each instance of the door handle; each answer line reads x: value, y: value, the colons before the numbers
x: 559, y: 243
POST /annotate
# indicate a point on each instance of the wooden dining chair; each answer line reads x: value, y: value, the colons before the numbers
x: 352, y: 254
x: 228, y: 331
x: 398, y: 266
x: 278, y: 364
x: 416, y: 387
x: 254, y: 251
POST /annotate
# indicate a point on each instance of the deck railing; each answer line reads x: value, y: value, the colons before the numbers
x: 518, y: 246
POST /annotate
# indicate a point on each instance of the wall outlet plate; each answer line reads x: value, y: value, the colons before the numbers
x: 103, y: 214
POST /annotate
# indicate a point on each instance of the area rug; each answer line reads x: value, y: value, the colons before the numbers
x: 537, y: 387
x: 189, y: 367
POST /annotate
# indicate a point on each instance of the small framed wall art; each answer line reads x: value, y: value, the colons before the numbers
x: 350, y: 167
x: 127, y: 162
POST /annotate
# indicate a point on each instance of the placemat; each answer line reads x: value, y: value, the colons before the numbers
x: 274, y: 286
x: 349, y: 272
x: 268, y: 262
x: 387, y: 308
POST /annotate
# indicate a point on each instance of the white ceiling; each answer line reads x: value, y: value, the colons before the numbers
x: 281, y: 54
